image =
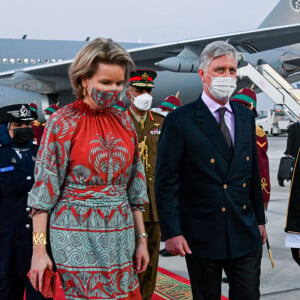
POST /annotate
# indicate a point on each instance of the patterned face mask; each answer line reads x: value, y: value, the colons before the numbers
x: 105, y: 99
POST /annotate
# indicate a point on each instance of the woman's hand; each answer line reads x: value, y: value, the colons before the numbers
x: 39, y: 263
x: 141, y: 256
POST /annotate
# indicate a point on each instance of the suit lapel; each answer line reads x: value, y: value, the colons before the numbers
x: 209, y: 126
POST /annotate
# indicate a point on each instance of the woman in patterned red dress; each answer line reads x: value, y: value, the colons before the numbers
x: 90, y: 181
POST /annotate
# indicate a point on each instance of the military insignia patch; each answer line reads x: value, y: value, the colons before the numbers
x: 23, y: 111
x: 156, y: 124
x: 145, y: 76
x: 156, y: 131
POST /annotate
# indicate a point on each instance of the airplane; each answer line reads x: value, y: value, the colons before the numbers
x: 37, y: 70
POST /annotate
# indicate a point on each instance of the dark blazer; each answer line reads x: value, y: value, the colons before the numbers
x: 293, y: 213
x: 204, y: 192
x: 293, y: 140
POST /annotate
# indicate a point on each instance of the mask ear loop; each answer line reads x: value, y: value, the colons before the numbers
x: 89, y: 88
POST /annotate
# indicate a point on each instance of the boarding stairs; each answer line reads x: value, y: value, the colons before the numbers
x: 274, y: 85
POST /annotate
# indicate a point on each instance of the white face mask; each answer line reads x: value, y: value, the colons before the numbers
x: 143, y: 101
x: 47, y: 117
x: 222, y: 87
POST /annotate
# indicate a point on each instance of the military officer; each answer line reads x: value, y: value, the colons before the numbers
x: 247, y: 97
x: 148, y: 127
x: 17, y: 158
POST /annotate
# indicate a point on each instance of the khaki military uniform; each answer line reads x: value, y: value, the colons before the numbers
x: 149, y: 136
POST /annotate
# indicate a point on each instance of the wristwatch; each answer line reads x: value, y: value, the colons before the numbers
x: 141, y: 235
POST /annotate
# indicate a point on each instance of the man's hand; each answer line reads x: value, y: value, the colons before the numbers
x: 178, y: 246
x: 263, y: 233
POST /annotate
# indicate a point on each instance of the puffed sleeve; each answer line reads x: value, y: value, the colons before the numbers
x: 52, y: 162
x: 136, y: 188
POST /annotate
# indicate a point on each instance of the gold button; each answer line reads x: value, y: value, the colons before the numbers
x: 225, y: 186
x: 212, y: 160
x: 223, y: 209
x: 244, y: 206
x: 150, y: 179
x: 247, y: 157
x: 244, y: 185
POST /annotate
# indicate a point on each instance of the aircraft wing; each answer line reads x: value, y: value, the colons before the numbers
x: 247, y: 41
x: 50, y: 69
x: 146, y: 56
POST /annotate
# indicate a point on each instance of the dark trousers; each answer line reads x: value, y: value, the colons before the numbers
x: 12, y: 287
x: 295, y: 254
x: 147, y: 279
x: 243, y: 275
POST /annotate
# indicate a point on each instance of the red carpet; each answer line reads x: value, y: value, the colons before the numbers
x: 169, y: 286
x: 172, y: 286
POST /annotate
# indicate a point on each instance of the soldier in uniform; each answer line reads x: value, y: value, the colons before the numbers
x: 247, y: 97
x: 168, y: 105
x: 120, y: 105
x: 17, y: 158
x: 52, y: 108
x: 37, y: 126
x: 148, y: 127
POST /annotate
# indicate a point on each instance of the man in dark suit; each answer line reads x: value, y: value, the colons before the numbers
x: 292, y: 227
x: 293, y: 140
x: 208, y: 186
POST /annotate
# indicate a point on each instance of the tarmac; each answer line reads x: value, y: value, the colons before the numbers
x: 283, y: 281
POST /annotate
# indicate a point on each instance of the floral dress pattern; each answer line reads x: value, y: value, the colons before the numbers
x: 89, y: 177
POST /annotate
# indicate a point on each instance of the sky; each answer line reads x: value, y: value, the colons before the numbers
x: 153, y: 21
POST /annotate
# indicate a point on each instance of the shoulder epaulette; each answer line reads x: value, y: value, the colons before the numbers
x: 260, y: 132
x: 154, y: 114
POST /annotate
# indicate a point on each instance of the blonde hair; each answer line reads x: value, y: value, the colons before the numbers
x: 88, y: 58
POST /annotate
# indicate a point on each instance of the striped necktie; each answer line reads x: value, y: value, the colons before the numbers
x: 224, y: 127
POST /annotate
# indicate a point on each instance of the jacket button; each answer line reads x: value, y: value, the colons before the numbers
x: 212, y: 160
x: 244, y: 206
x: 247, y: 157
x: 223, y: 209
x: 244, y: 185
x: 150, y: 179
x: 27, y: 226
x: 225, y: 186
x: 28, y: 209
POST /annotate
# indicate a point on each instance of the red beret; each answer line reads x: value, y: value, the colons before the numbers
x: 170, y: 103
x: 52, y: 108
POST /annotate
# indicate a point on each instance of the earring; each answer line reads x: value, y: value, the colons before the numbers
x: 84, y: 91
